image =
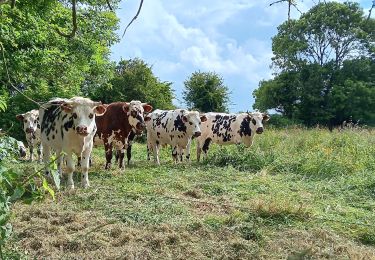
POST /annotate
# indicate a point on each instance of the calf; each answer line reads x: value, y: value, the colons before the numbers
x: 174, y: 127
x: 68, y: 125
x: 226, y: 129
x: 114, y: 127
x: 31, y: 127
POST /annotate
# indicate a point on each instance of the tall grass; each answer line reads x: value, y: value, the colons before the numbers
x: 315, y: 153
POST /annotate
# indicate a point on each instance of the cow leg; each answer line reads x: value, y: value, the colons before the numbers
x: 117, y: 156
x: 39, y: 152
x: 199, y: 151
x: 108, y: 155
x: 188, y: 150
x: 31, y: 149
x: 121, y: 158
x: 206, y: 146
x: 46, y: 157
x: 175, y: 154
x: 156, y: 153
x: 85, y: 167
x: 60, y: 160
x: 148, y: 152
x: 129, y: 153
x: 181, y: 153
x: 70, y: 169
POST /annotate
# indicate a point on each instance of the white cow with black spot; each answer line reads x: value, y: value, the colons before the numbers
x: 31, y: 127
x: 172, y: 127
x: 224, y: 129
x: 68, y: 126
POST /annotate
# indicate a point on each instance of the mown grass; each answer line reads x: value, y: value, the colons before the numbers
x: 296, y: 193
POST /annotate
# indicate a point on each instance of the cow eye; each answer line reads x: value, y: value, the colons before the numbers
x: 91, y: 116
x: 34, y: 121
x: 75, y: 115
x: 190, y: 123
x: 25, y: 121
x: 254, y: 121
x: 200, y: 123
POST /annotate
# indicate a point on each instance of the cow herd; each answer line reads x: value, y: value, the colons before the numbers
x: 76, y: 125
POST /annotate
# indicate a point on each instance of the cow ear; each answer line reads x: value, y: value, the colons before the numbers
x: 203, y: 118
x: 126, y: 107
x: 147, y: 118
x: 100, y: 110
x: 147, y: 108
x: 66, y: 107
x: 266, y: 117
x: 20, y: 117
x: 184, y: 118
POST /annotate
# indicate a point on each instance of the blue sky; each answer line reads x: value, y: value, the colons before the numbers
x: 230, y: 37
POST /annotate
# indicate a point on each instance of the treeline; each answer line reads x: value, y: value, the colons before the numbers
x: 40, y: 57
x: 325, y: 63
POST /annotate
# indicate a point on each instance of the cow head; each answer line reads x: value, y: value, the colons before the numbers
x: 134, y: 110
x: 192, y: 121
x: 256, y: 120
x: 30, y: 121
x: 82, y: 113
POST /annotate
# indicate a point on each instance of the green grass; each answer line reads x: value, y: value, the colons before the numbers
x: 297, y: 193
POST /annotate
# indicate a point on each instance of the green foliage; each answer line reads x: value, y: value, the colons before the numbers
x: 15, y: 185
x: 134, y: 80
x: 328, y: 32
x: 43, y: 64
x: 326, y: 67
x: 206, y: 92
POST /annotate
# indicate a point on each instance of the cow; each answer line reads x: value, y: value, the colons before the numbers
x: 224, y: 129
x: 21, y: 149
x: 173, y: 127
x: 114, y: 127
x: 68, y: 126
x: 31, y: 127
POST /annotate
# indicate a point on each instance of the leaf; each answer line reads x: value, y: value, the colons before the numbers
x: 18, y: 193
x: 48, y: 188
x: 56, y: 178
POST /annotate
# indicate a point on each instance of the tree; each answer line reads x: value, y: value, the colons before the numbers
x: 326, y: 62
x: 134, y: 80
x: 327, y: 32
x: 42, y: 64
x: 206, y: 92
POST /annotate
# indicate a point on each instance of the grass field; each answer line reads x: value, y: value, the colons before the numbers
x: 296, y: 193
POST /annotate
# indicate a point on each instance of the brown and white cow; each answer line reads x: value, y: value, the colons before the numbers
x: 68, y: 126
x: 114, y: 127
x: 223, y: 129
x: 173, y: 127
x: 31, y: 127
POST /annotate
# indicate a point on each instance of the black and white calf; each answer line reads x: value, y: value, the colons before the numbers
x: 173, y: 127
x: 226, y: 129
x: 31, y: 127
x: 68, y: 125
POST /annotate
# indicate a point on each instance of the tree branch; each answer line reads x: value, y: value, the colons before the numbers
x: 276, y: 2
x: 135, y: 17
x: 109, y: 5
x: 74, y: 21
x: 369, y: 12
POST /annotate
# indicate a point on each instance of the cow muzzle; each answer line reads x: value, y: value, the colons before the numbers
x: 259, y: 130
x: 197, y: 134
x: 29, y: 130
x: 82, y: 130
x: 140, y: 126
